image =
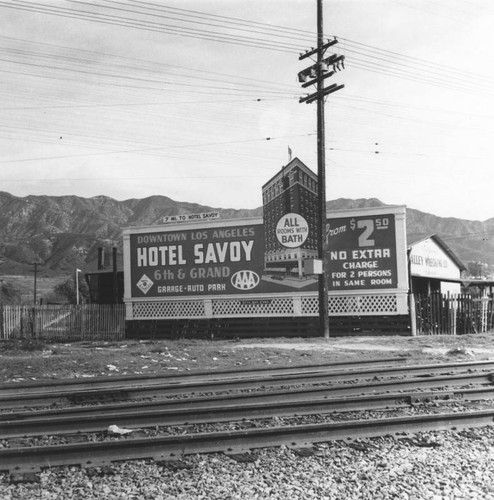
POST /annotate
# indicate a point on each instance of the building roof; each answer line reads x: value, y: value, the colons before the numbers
x: 286, y: 168
x: 478, y: 282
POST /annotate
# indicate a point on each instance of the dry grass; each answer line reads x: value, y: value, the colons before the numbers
x: 25, y: 285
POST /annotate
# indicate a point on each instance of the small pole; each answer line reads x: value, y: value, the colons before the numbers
x: 115, y: 276
x: 77, y: 271
x: 35, y: 280
x: 33, y: 324
x: 411, y: 298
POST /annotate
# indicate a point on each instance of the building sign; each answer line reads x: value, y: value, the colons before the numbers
x: 428, y: 260
x: 365, y: 254
x: 190, y: 217
x: 292, y: 230
x: 206, y: 261
x: 361, y: 252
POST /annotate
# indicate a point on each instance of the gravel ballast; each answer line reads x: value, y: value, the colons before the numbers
x: 434, y: 465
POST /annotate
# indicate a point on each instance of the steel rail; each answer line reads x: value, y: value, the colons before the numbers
x: 98, y: 421
x: 132, y: 392
x: 178, y: 412
x: 199, y: 375
x: 293, y: 395
x: 172, y: 447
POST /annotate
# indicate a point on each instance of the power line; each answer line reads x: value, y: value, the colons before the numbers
x: 305, y: 36
x: 479, y: 234
x: 415, y: 62
x: 187, y: 19
x: 153, y: 65
x: 146, y: 26
x: 152, y: 149
x: 441, y: 71
x: 134, y: 78
x: 267, y: 27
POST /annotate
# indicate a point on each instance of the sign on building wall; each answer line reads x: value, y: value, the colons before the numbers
x: 429, y: 260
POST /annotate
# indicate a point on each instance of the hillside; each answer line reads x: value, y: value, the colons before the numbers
x: 62, y: 233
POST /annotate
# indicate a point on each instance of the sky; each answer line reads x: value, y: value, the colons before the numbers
x: 198, y: 100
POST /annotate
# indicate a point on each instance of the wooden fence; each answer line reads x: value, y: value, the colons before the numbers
x: 438, y: 314
x: 63, y: 323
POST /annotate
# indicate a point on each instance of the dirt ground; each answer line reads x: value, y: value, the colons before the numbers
x: 435, y: 346
x: 34, y: 360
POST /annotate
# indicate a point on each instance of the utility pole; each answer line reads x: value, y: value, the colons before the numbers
x: 316, y: 74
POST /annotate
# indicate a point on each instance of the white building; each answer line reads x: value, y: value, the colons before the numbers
x: 433, y: 266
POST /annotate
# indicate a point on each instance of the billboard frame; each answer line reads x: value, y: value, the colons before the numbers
x: 400, y: 291
x: 384, y: 301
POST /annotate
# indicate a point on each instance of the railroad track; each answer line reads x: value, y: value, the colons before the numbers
x: 33, y: 396
x: 106, y: 382
x: 465, y: 382
x: 162, y: 415
x: 93, y: 454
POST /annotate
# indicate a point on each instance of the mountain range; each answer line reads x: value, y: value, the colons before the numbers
x: 62, y: 233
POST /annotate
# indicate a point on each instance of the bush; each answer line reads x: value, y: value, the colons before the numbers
x: 67, y: 290
x: 9, y: 294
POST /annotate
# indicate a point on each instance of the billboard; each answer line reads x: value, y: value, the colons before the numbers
x: 361, y: 252
x: 365, y: 254
x: 224, y: 259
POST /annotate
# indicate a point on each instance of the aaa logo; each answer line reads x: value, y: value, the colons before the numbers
x: 245, y: 280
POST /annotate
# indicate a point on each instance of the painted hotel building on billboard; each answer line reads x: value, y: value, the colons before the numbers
x: 293, y: 190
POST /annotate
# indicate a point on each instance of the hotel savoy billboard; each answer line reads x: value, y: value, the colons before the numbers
x: 365, y: 251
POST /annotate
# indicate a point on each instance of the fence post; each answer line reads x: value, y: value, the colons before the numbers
x: 491, y: 314
x: 21, y: 333
x: 81, y: 313
x: 453, y: 314
x: 413, y: 314
x: 485, y: 303
x: 33, y: 322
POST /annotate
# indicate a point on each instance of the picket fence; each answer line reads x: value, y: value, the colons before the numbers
x: 63, y: 322
x: 439, y: 314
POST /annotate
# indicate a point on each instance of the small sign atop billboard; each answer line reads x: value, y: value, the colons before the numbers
x: 191, y: 217
x: 313, y: 266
